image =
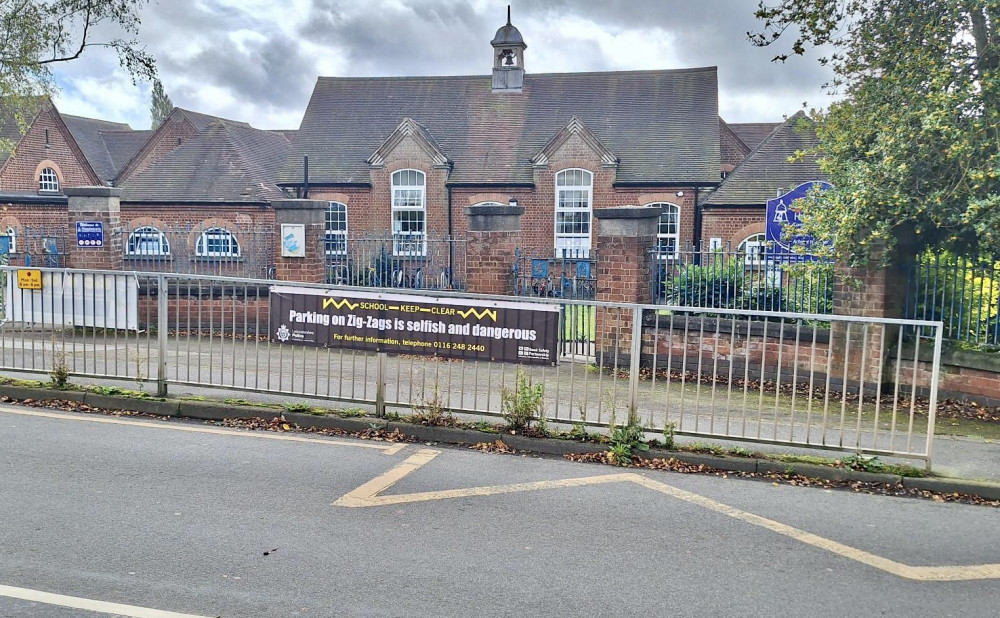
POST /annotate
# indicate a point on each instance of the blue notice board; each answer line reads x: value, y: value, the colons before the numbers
x: 783, y: 213
x: 89, y: 234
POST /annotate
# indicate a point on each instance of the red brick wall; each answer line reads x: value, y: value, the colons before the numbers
x: 683, y: 350
x: 369, y: 211
x: 219, y: 315
x: 20, y: 173
x: 732, y: 225
x: 733, y: 150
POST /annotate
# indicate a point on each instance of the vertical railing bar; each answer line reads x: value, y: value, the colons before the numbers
x: 162, y: 325
x: 933, y: 395
x: 844, y: 386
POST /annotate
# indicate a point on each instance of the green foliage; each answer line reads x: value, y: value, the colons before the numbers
x: 298, y: 406
x: 59, y: 375
x: 730, y: 284
x: 160, y: 105
x: 38, y: 34
x: 626, y: 439
x: 432, y: 410
x: 862, y: 463
x: 911, y: 146
x: 352, y: 413
x: 962, y: 292
x: 521, y: 404
x: 668, y: 436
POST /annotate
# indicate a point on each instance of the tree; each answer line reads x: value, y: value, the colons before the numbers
x: 913, y: 146
x: 160, y: 105
x: 36, y: 35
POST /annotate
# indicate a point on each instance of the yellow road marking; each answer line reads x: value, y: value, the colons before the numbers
x: 90, y: 605
x: 387, y: 449
x: 368, y: 494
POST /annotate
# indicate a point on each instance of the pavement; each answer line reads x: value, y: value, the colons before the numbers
x: 961, y: 465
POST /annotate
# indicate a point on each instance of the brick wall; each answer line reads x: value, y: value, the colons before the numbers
x: 697, y: 348
x: 20, y: 172
x: 732, y: 225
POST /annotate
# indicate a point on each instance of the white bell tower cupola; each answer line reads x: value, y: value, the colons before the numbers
x: 508, y: 58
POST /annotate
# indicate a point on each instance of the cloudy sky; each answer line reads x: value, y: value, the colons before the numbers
x: 257, y: 60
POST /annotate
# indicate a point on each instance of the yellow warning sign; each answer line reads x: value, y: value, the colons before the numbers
x: 29, y: 279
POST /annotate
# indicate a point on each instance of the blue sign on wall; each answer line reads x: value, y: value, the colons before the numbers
x: 4, y: 245
x: 89, y: 234
x: 781, y: 214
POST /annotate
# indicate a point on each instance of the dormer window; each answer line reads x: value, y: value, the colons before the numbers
x: 48, y: 180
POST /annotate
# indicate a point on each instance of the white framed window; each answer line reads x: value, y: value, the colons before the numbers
x: 48, y: 180
x: 409, y: 213
x: 753, y: 248
x: 217, y: 242
x: 574, y: 212
x: 335, y: 241
x: 147, y: 241
x: 11, y: 235
x: 668, y: 231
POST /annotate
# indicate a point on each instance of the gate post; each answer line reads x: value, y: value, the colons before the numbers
x: 624, y: 267
x: 493, y: 231
x: 306, y: 264
x: 99, y: 244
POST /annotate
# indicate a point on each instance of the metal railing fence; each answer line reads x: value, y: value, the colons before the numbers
x: 962, y: 292
x: 783, y: 379
x: 39, y: 246
x: 571, y: 275
x: 748, y: 278
x: 386, y: 260
x: 241, y: 250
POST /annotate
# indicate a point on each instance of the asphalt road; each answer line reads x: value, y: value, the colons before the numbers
x: 165, y: 516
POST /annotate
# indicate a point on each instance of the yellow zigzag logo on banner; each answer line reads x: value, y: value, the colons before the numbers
x: 338, y: 304
x: 486, y: 313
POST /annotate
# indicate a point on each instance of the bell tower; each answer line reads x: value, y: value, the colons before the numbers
x: 508, y: 58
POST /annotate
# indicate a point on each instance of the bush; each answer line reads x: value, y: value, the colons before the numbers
x: 519, y: 405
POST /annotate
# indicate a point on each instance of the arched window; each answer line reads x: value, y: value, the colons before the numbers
x: 753, y: 248
x: 48, y: 180
x: 217, y: 242
x: 668, y: 232
x: 409, y: 213
x: 11, y: 235
x: 335, y: 240
x: 146, y: 241
x: 574, y: 210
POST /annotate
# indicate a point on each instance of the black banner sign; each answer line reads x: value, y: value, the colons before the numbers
x: 514, y: 332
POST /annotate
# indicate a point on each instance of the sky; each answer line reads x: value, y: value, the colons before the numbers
x: 257, y: 60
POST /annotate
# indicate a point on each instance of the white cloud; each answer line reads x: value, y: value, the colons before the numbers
x: 257, y: 60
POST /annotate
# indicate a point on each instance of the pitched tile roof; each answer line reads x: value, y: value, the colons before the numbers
x: 226, y: 162
x: 767, y: 169
x: 663, y: 125
x: 203, y: 121
x: 87, y: 133
x: 123, y: 145
x: 753, y: 133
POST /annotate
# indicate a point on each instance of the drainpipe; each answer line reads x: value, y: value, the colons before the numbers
x: 305, y: 177
x: 451, y: 245
x: 697, y: 228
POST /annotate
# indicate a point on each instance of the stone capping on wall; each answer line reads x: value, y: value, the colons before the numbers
x: 93, y: 192
x: 968, y: 359
x: 494, y: 218
x: 310, y: 212
x: 628, y: 212
x: 773, y: 331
